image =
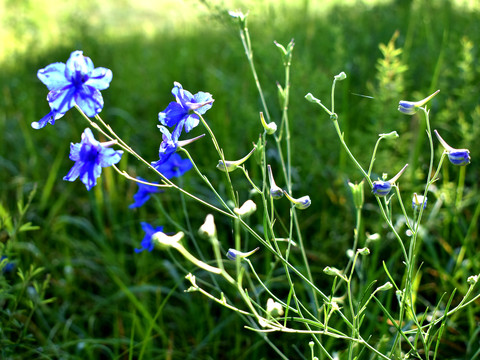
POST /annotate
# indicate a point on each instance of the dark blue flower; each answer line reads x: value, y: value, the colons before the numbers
x: 381, y: 188
x: 180, y: 113
x: 75, y: 83
x: 90, y: 156
x: 458, y: 157
x: 411, y: 107
x: 8, y: 265
x: 175, y: 166
x: 143, y: 193
x: 147, y: 242
x: 168, y: 146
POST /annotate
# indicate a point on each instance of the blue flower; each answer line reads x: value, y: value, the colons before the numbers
x: 180, y: 113
x: 75, y: 83
x: 411, y: 107
x: 417, y: 202
x: 90, y: 156
x: 175, y: 166
x: 143, y: 194
x: 8, y: 266
x: 168, y: 146
x: 147, y: 242
x: 382, y: 188
x: 458, y: 157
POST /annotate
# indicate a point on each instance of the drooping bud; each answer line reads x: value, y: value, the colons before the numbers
x: 247, y: 209
x: 411, y: 107
x: 300, y: 203
x: 458, y: 157
x: 233, y: 254
x: 382, y: 188
x: 208, y: 229
x: 229, y: 166
x: 340, y: 77
x: 270, y: 128
x: 275, y: 191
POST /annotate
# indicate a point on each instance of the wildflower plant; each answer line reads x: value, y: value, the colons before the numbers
x: 303, y: 307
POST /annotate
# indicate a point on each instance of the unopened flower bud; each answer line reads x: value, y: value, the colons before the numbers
x: 472, y: 280
x: 411, y: 107
x: 387, y: 286
x: 417, y: 202
x: 165, y: 240
x: 456, y: 156
x: 247, y: 209
x: 358, y: 194
x: 274, y: 308
x: 208, y: 229
x: 300, y: 203
x: 364, y: 251
x: 390, y: 135
x: 270, y: 128
x: 340, y: 77
x: 275, y: 191
x: 382, y: 188
x: 329, y: 270
x: 233, y: 254
x: 232, y: 165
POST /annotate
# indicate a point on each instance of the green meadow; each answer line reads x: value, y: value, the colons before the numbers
x: 72, y: 286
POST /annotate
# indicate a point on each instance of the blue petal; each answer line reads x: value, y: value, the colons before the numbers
x: 202, y: 97
x: 191, y: 121
x: 108, y: 157
x: 172, y: 114
x: 90, y: 100
x: 78, y: 66
x: 53, y: 76
x: 100, y: 78
x: 61, y: 100
x: 49, y: 118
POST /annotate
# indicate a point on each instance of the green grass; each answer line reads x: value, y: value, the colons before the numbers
x: 94, y: 297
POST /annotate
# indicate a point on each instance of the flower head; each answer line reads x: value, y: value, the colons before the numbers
x: 181, y: 113
x: 418, y: 200
x: 411, y: 107
x: 76, y: 82
x: 174, y: 166
x: 147, y: 242
x: 456, y: 156
x: 90, y: 156
x: 143, y: 193
x: 382, y: 188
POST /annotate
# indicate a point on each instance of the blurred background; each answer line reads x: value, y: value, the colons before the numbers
x: 72, y: 286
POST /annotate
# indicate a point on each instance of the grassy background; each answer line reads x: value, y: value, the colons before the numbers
x: 93, y: 297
